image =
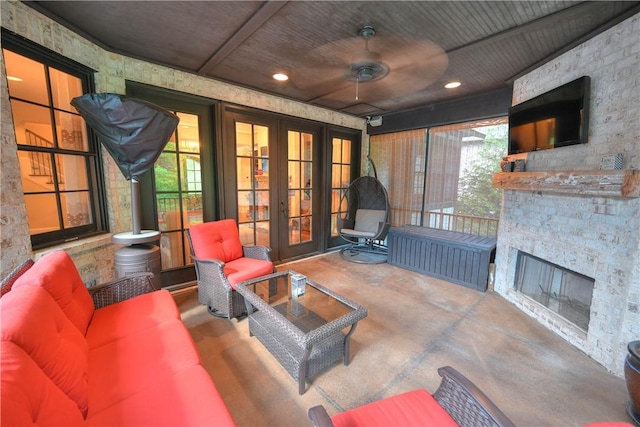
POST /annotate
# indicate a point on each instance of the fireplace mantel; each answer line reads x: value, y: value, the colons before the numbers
x: 601, y: 183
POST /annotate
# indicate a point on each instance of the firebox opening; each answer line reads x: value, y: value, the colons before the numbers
x: 563, y: 291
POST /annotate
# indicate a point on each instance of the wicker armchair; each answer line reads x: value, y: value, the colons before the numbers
x: 462, y: 400
x: 221, y: 261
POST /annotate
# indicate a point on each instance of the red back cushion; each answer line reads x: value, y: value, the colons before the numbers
x: 216, y: 239
x: 58, y: 275
x: 32, y: 320
x: 29, y: 397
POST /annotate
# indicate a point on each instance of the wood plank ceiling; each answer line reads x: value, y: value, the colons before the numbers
x: 420, y: 45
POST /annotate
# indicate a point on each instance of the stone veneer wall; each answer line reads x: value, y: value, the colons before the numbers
x: 596, y: 236
x: 94, y: 257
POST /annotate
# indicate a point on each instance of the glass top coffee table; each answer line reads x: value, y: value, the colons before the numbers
x: 305, y: 333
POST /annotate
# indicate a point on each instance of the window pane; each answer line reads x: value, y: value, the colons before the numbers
x: 171, y: 253
x: 247, y: 235
x: 33, y: 124
x: 294, y: 203
x: 262, y: 233
x: 244, y: 173
x: 192, y: 205
x: 307, y: 146
x: 42, y: 213
x: 72, y: 171
x: 246, y: 205
x: 336, y: 155
x: 294, y: 175
x: 262, y: 205
x: 294, y: 145
x: 244, y: 139
x: 168, y: 211
x: 171, y: 144
x: 166, y: 172
x: 71, y: 132
x: 76, y: 209
x: 26, y: 78
x: 191, y: 175
x: 346, y: 175
x: 36, y: 171
x: 306, y: 176
x: 188, y: 133
x: 64, y: 88
x: 346, y: 151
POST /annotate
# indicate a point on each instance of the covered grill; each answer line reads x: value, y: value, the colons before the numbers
x: 134, y: 132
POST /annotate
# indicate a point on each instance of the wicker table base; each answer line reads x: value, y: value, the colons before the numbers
x: 305, y: 334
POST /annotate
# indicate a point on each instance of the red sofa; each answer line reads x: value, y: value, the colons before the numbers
x: 68, y: 360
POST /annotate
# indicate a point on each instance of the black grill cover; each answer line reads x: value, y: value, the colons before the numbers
x: 134, y: 132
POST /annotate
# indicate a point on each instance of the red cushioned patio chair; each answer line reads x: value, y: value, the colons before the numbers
x: 221, y: 262
x: 456, y: 402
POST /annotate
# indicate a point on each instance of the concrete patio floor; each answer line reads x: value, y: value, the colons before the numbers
x: 416, y: 324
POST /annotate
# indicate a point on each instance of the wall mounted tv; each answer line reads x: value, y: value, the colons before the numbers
x: 557, y: 118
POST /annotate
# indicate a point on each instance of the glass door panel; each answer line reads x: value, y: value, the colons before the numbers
x: 252, y: 183
x: 300, y: 187
x: 178, y: 181
x: 340, y: 178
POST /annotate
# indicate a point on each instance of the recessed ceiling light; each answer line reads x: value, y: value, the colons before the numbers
x: 281, y: 77
x: 14, y: 79
x: 452, y: 85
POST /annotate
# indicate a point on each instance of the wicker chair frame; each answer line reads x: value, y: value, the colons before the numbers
x: 104, y: 294
x: 462, y: 399
x: 121, y: 289
x: 214, y: 289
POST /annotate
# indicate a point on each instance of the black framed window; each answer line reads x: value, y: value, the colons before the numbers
x: 59, y: 159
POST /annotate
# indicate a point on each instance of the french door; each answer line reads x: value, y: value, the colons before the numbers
x: 180, y: 190
x: 275, y: 190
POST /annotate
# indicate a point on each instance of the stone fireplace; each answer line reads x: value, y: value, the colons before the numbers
x: 564, y: 209
x: 585, y: 222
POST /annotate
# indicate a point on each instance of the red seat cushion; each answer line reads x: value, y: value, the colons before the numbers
x: 57, y: 273
x: 216, y: 240
x: 130, y: 316
x: 242, y: 269
x: 188, y: 398
x: 138, y: 361
x: 415, y: 408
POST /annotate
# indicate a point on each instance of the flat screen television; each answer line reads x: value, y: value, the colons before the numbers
x: 557, y: 118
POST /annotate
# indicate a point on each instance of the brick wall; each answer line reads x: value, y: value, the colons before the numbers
x: 598, y: 237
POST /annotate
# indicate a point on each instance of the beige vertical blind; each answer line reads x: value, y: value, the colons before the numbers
x: 402, y: 161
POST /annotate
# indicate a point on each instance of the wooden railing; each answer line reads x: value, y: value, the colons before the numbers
x: 480, y: 226
x: 40, y: 162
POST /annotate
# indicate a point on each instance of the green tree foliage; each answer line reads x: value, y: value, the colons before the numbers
x: 476, y: 195
x: 166, y: 176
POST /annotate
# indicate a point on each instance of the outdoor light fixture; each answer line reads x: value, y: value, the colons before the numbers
x: 452, y: 85
x: 280, y: 77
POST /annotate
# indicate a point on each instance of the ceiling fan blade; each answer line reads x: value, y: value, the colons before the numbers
x: 408, y: 65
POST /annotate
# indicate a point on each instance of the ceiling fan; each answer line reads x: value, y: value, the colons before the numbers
x: 370, y: 67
